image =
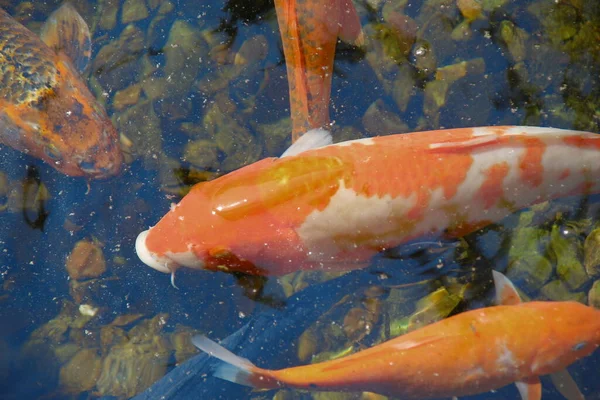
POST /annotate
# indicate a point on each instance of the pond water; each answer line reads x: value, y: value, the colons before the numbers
x: 199, y: 89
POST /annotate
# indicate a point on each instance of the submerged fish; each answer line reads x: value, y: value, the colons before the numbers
x: 309, y: 33
x: 46, y: 110
x: 336, y: 206
x: 469, y: 353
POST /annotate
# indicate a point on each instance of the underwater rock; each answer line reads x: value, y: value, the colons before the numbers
x: 184, y: 47
x: 398, y: 35
x: 181, y: 342
x: 127, y: 97
x: 594, y: 295
x: 4, y: 184
x: 231, y: 137
x: 379, y: 120
x: 525, y: 262
x: 404, y: 87
x: 252, y: 51
x: 568, y: 253
x: 491, y: 5
x: 132, y: 366
x: 358, y: 323
x: 118, y: 59
x: 308, y: 344
x: 133, y: 10
x: 276, y: 134
x: 429, y: 309
x: 382, y: 57
x: 86, y: 260
x: 515, y: 39
x: 557, y: 290
x: 470, y: 9
x: 451, y: 73
x: 108, y: 15
x: 141, y: 125
x: 591, y: 253
x: 435, y: 98
x: 81, y: 372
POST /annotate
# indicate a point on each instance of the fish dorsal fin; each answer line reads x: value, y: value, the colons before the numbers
x: 413, y: 344
x: 65, y: 31
x: 312, y: 139
x: 565, y: 384
x: 506, y: 293
x: 530, y: 388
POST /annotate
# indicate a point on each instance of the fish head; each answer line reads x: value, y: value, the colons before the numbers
x: 236, y: 223
x: 65, y: 126
x: 574, y: 333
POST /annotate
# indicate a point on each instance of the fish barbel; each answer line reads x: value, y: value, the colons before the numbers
x: 334, y: 207
x: 466, y: 354
x: 46, y: 110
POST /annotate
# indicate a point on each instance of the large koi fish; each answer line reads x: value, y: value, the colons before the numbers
x: 46, y: 110
x: 334, y: 207
x: 469, y: 353
x: 309, y: 33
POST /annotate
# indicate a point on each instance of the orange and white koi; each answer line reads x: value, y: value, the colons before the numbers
x: 336, y: 206
x: 46, y: 110
x: 309, y: 32
x: 469, y: 353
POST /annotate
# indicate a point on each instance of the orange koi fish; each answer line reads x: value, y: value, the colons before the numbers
x: 469, y: 353
x: 309, y: 32
x: 46, y: 110
x: 333, y: 207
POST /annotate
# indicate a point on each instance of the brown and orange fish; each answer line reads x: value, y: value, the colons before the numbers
x: 46, y: 110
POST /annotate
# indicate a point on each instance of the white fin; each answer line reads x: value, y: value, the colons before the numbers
x: 530, y: 388
x: 312, y: 139
x: 506, y: 293
x: 233, y: 369
x: 565, y: 384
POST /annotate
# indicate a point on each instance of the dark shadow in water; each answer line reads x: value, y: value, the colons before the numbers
x: 32, y: 185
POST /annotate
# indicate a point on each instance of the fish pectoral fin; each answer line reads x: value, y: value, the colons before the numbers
x: 234, y: 368
x: 312, y: 139
x: 65, y: 31
x: 530, y: 388
x: 506, y: 293
x: 566, y: 385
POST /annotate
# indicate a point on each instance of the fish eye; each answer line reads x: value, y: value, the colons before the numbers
x: 52, y: 152
x: 579, y: 346
x: 88, y: 167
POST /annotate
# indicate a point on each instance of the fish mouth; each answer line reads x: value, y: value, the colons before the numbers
x: 162, y: 264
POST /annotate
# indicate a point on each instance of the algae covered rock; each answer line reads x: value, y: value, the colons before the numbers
x: 591, y: 252
x: 568, y: 253
x: 86, y: 260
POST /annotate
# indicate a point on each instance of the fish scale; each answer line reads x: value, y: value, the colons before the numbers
x: 25, y: 71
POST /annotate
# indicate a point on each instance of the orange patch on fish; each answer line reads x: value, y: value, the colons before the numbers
x: 532, y: 170
x: 492, y: 189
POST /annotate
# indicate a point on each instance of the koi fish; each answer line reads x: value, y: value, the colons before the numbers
x: 309, y: 32
x: 46, y: 110
x: 466, y: 354
x: 333, y: 207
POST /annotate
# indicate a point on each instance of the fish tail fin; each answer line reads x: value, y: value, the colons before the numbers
x: 234, y: 368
